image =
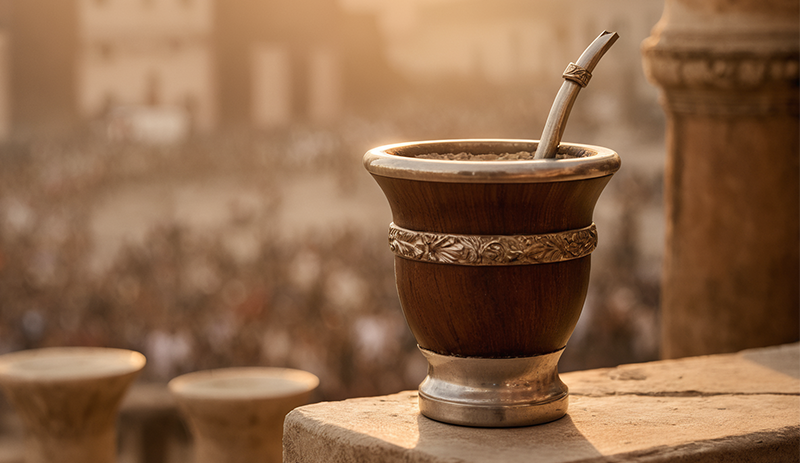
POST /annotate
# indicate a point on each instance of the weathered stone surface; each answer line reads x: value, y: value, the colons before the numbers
x: 757, y: 371
x: 736, y: 407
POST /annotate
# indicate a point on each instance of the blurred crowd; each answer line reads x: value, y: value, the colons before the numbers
x: 327, y: 305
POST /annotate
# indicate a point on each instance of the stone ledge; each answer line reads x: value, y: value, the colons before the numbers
x: 731, y: 407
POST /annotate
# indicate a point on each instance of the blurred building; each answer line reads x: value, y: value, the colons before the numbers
x: 39, y: 65
x: 279, y: 62
x: 244, y: 63
x: 154, y: 53
x: 521, y: 44
x: 264, y: 64
x: 5, y: 94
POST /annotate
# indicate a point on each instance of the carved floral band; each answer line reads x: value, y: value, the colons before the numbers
x: 577, y: 74
x: 492, y: 250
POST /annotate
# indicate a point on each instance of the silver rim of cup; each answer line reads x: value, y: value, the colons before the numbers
x: 575, y: 162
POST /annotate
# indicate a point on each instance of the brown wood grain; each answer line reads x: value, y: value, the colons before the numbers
x: 495, y: 311
x: 492, y: 208
x: 506, y: 311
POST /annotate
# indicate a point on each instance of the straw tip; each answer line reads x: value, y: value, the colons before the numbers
x: 613, y: 35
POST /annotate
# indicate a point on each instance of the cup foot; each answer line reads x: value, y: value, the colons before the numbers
x: 493, y: 392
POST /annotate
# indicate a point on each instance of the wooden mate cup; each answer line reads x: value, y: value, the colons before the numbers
x: 492, y: 258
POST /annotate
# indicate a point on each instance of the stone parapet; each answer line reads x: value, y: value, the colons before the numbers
x: 731, y: 407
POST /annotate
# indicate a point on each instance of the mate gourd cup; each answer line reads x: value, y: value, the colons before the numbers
x: 492, y: 261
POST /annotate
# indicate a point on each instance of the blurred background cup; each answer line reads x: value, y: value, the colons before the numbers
x: 68, y: 399
x: 236, y: 414
x: 492, y: 261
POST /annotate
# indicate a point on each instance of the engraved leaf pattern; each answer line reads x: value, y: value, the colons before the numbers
x: 401, y: 242
x: 472, y: 249
x: 442, y: 248
x: 492, y: 250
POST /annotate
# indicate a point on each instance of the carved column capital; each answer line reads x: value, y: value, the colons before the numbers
x: 721, y: 57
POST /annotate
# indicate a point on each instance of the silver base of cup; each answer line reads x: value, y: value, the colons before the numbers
x: 493, y: 392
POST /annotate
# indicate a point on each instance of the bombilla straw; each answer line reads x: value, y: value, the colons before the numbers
x: 576, y: 76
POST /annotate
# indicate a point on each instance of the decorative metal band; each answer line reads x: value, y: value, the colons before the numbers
x: 487, y: 250
x: 577, y: 74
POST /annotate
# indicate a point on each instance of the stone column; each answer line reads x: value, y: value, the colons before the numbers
x: 728, y: 71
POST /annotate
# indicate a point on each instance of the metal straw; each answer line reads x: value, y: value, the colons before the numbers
x: 576, y: 76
